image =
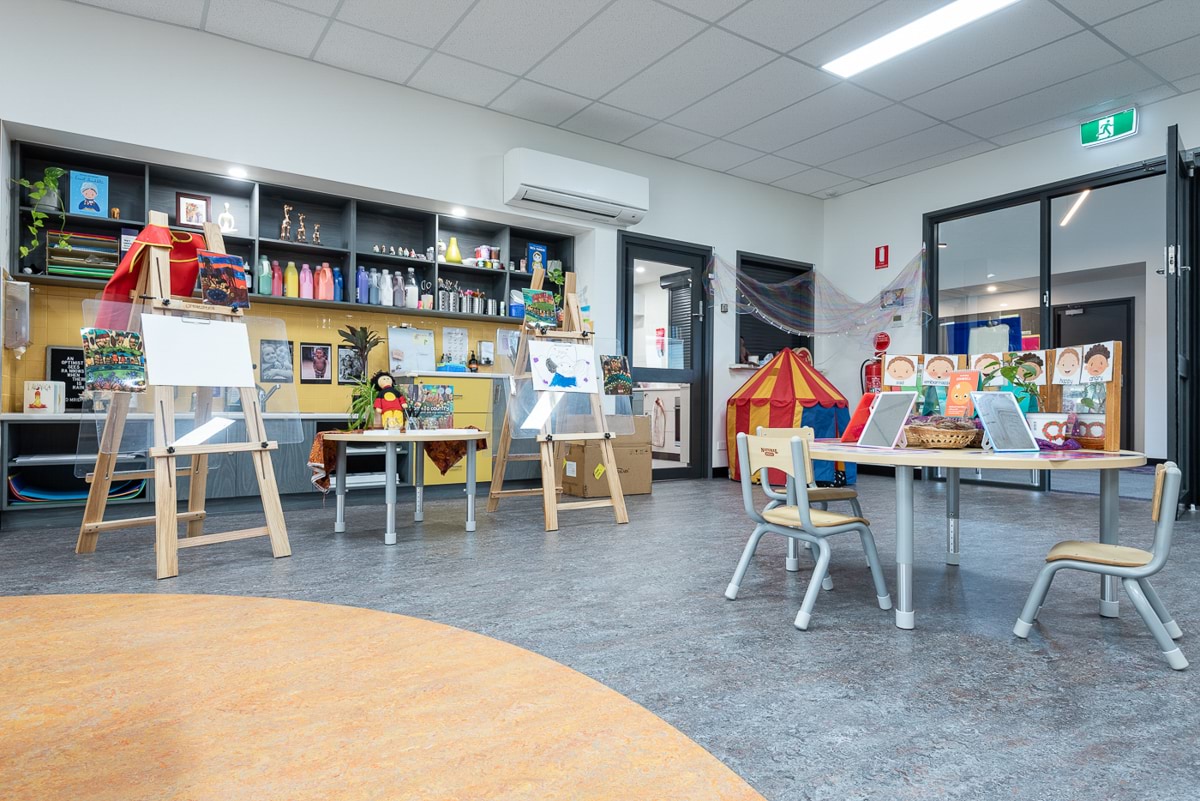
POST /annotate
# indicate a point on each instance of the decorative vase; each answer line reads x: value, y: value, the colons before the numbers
x: 452, y: 254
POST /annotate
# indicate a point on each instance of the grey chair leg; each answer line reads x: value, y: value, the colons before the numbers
x: 854, y: 505
x: 747, y: 554
x: 1170, y: 650
x: 814, y: 586
x: 1037, y: 597
x: 827, y: 582
x: 881, y: 591
x: 1160, y: 609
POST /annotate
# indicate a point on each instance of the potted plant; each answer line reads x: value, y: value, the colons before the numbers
x: 362, y: 395
x: 1020, y: 375
x: 555, y: 276
x: 44, y: 199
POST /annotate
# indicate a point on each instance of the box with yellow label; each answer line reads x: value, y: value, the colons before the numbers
x: 584, y: 473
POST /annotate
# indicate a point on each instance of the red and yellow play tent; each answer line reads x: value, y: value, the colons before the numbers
x: 787, y: 392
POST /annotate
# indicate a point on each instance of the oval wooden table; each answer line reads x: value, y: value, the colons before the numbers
x: 132, y: 697
x: 905, y: 459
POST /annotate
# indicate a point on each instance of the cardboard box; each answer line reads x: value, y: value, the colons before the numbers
x: 583, y: 474
x: 45, y: 397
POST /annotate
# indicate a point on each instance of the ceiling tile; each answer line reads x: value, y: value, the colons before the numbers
x: 1065, y: 59
x: 623, y: 40
x: 486, y: 33
x: 538, y: 103
x: 1175, y: 61
x: 1189, y: 84
x: 608, y: 123
x: 810, y: 181
x: 1054, y: 101
x: 841, y: 103
x: 322, y: 7
x: 720, y: 155
x: 1142, y: 98
x: 710, y: 10
x: 1155, y: 26
x: 767, y: 169
x: 884, y: 125
x: 930, y: 162
x: 842, y: 189
x: 411, y: 20
x: 1094, y: 12
x: 915, y: 146
x: 999, y: 36
x: 369, y: 53
x: 666, y: 140
x: 460, y: 80
x: 787, y: 24
x: 866, y: 27
x: 266, y: 24
x: 702, y: 66
x: 775, y: 86
x: 180, y: 12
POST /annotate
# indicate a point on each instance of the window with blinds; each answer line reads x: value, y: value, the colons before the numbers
x: 762, y: 338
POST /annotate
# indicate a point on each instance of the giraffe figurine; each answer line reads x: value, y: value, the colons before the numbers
x: 316, y: 233
x: 285, y: 228
x: 301, y: 232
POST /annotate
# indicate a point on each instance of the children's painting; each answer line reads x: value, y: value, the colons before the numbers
x: 1097, y: 363
x: 988, y: 365
x: 937, y: 369
x: 223, y: 280
x: 89, y: 194
x: 113, y: 360
x: 617, y: 379
x: 350, y: 369
x: 275, y: 361
x: 563, y: 366
x: 891, y: 299
x: 1068, y: 366
x: 430, y: 407
x: 899, y: 371
x: 1032, y: 364
x: 539, y: 308
x: 316, y: 363
x: 958, y: 394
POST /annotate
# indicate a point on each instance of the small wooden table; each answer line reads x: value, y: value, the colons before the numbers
x: 390, y: 441
x: 905, y: 459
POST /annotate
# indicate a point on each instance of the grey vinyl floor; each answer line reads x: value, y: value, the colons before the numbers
x: 851, y: 709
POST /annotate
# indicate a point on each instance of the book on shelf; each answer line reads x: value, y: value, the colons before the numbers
x: 84, y: 256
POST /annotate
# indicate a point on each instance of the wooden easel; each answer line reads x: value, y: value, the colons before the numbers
x: 551, y: 447
x: 153, y: 295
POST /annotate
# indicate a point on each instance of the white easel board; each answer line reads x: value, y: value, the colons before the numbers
x: 410, y: 349
x: 196, y: 352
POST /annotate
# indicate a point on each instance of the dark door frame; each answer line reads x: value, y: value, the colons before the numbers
x: 1183, y: 299
x: 702, y: 424
x: 1129, y: 359
x: 745, y: 258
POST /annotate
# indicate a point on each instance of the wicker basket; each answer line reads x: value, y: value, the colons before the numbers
x: 1090, y: 443
x: 930, y: 437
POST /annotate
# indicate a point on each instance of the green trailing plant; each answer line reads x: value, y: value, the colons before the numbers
x: 362, y: 395
x: 1020, y: 375
x: 555, y: 276
x: 38, y: 191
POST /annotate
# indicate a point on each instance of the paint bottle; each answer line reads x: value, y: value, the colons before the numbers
x: 362, y: 283
x: 339, y: 284
x: 291, y: 281
x: 373, y: 287
x: 262, y: 278
x: 306, y: 282
x: 276, y: 280
x: 386, y: 292
x: 410, y: 290
x: 323, y: 282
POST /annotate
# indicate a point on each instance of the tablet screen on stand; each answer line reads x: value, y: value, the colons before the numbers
x: 885, y: 426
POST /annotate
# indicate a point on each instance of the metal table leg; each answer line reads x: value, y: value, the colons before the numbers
x: 1110, y: 529
x: 418, y: 473
x: 905, y: 616
x: 952, y: 515
x: 470, y: 485
x: 792, y: 562
x: 389, y: 492
x: 339, y: 483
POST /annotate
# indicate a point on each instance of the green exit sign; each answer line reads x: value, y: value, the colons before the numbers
x: 1109, y: 128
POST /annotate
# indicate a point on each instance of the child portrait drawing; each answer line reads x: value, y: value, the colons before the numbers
x: 1066, y: 366
x: 900, y: 371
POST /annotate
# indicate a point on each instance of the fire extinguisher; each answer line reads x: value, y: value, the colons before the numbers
x: 871, y: 371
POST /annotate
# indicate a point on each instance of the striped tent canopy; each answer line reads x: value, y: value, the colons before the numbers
x: 786, y: 392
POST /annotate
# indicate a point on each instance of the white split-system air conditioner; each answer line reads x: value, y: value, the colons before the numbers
x: 558, y: 185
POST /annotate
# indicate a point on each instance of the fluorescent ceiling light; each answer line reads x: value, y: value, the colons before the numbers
x: 458, y: 211
x: 1074, y: 208
x: 238, y: 172
x: 914, y: 34
x: 991, y: 275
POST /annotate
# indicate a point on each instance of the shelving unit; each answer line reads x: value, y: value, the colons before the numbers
x: 350, y: 229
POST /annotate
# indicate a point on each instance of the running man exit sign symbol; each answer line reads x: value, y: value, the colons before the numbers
x: 1107, y: 129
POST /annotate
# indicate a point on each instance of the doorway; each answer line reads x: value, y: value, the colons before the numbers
x: 666, y: 334
x: 1100, y: 321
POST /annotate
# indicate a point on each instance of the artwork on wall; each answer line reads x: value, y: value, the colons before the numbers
x: 192, y: 211
x: 89, y: 194
x: 563, y: 366
x: 617, y: 379
x: 316, y: 366
x: 899, y: 371
x: 223, y: 280
x: 275, y: 361
x: 113, y: 360
x: 350, y: 368
x: 937, y: 369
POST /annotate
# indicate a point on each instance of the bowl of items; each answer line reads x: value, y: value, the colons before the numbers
x: 936, y: 431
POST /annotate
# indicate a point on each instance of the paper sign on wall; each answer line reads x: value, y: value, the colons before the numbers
x: 196, y: 352
x: 881, y: 257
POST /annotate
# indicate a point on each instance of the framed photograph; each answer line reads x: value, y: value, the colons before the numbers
x: 350, y: 368
x: 89, y: 194
x: 275, y: 361
x: 316, y: 363
x: 192, y: 211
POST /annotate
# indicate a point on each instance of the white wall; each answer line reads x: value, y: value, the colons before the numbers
x: 281, y: 115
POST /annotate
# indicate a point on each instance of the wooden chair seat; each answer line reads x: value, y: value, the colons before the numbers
x: 826, y: 494
x: 1099, y: 554
x: 790, y: 516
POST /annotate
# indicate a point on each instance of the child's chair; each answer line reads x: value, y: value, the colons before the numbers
x: 1132, y: 565
x: 798, y: 522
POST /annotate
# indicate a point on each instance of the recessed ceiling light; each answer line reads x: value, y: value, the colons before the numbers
x: 639, y: 269
x: 1074, y: 208
x: 943, y: 245
x: 991, y: 288
x: 1004, y: 305
x: 991, y: 275
x: 458, y: 211
x: 914, y: 34
x: 238, y: 172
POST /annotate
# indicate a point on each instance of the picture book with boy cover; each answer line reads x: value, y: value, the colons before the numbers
x: 223, y: 280
x: 113, y: 360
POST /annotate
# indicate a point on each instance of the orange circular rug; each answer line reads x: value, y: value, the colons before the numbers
x: 212, y: 697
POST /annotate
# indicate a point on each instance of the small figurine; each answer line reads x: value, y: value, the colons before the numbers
x: 316, y: 233
x: 115, y: 213
x: 226, y: 222
x: 389, y: 403
x: 301, y: 232
x: 393, y: 252
x: 285, y: 228
x: 375, y: 248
